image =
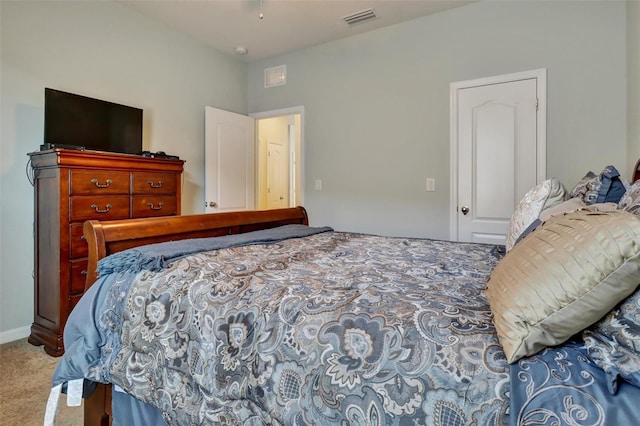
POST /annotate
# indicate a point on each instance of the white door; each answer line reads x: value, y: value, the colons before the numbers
x: 500, y: 151
x: 277, y: 179
x: 229, y: 161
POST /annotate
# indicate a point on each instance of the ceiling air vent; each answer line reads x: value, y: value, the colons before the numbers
x: 360, y: 17
x: 276, y: 76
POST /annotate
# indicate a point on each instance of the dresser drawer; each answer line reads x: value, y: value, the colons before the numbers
x: 89, y: 207
x: 98, y: 182
x: 154, y: 205
x: 79, y: 247
x: 154, y: 183
x: 78, y: 276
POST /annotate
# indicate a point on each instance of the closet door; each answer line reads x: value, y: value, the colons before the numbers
x: 498, y: 155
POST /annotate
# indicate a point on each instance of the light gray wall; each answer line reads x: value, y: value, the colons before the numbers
x: 633, y: 81
x: 107, y: 51
x: 377, y: 104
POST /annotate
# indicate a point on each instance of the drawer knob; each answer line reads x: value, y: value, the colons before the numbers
x: 97, y: 209
x: 154, y: 185
x: 160, y: 204
x: 107, y: 183
x: 83, y: 272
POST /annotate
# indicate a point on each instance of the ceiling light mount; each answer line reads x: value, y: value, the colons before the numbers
x: 241, y: 50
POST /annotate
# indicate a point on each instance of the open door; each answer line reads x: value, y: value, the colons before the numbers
x: 229, y: 161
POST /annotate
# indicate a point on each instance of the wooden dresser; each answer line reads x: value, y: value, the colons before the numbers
x: 72, y: 186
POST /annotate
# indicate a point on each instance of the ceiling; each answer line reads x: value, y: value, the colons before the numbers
x: 287, y: 25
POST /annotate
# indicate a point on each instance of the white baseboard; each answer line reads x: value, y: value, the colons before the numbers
x: 15, y: 334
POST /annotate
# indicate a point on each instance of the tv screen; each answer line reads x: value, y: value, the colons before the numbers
x: 75, y: 120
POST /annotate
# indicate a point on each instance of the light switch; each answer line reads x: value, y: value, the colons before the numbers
x: 430, y: 185
x: 318, y: 185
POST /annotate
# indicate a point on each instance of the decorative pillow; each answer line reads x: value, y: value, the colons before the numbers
x: 582, y: 186
x: 614, y: 342
x: 544, y: 195
x: 630, y: 201
x: 564, y: 276
x: 572, y: 204
x: 529, y: 229
x: 557, y: 209
x: 607, y: 187
x: 602, y: 207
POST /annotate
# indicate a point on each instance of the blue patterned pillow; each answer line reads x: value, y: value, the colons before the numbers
x: 607, y: 187
x: 630, y: 201
x: 614, y: 342
x: 583, y: 185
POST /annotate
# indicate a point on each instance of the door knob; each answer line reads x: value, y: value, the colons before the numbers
x: 464, y: 210
x: 213, y: 204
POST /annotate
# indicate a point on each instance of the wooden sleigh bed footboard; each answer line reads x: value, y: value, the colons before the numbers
x: 316, y: 326
x: 105, y: 238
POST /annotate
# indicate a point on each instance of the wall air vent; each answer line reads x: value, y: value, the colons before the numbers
x: 276, y: 76
x: 360, y: 17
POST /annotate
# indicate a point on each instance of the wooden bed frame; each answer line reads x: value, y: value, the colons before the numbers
x: 109, y: 237
x: 105, y: 238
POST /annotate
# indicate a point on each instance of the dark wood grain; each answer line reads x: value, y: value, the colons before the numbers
x: 72, y: 186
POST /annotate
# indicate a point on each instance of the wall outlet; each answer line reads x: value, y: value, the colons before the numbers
x: 318, y: 184
x: 430, y: 185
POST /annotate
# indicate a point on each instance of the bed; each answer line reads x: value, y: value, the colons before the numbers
x: 256, y: 318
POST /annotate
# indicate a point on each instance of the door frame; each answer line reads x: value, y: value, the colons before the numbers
x: 541, y: 129
x: 279, y: 113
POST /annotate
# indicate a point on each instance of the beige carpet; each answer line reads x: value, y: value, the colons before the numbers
x: 25, y: 382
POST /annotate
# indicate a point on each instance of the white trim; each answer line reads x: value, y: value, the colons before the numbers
x: 15, y: 334
x: 291, y: 130
x: 279, y: 113
x: 541, y: 87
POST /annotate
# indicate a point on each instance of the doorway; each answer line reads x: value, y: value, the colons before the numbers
x: 239, y: 173
x: 279, y: 168
x: 498, y: 151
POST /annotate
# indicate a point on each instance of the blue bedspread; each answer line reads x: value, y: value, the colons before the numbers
x: 329, y: 328
x: 563, y: 386
x: 155, y: 257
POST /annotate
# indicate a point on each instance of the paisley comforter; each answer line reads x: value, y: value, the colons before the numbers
x: 331, y: 328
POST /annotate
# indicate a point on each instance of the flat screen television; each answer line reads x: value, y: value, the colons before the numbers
x: 72, y: 120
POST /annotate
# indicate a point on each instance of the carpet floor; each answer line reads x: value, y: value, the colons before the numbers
x: 25, y: 382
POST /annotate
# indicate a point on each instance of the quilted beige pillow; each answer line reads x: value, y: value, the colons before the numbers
x: 544, y: 195
x: 572, y: 204
x: 564, y: 276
